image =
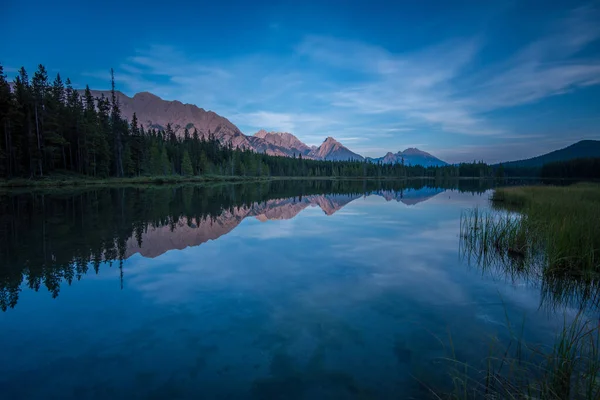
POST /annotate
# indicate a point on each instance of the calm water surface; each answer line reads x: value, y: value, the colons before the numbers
x: 283, y: 290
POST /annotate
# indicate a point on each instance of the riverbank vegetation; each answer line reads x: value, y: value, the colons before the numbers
x: 559, y: 224
x: 555, y: 227
x: 547, y: 236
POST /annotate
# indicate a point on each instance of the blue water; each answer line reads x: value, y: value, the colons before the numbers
x: 281, y: 299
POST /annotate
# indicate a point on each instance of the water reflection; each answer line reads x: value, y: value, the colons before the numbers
x: 52, y: 237
x: 274, y: 290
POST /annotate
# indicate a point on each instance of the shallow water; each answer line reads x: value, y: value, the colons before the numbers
x: 282, y: 290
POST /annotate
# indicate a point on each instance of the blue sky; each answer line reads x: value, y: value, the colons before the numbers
x: 475, y: 79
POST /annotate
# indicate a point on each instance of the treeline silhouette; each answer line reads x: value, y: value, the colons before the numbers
x: 49, y: 127
x: 581, y: 168
x: 50, y: 238
x: 578, y: 168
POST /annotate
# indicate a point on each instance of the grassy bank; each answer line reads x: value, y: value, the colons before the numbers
x: 548, y: 236
x: 559, y: 224
x: 66, y: 181
x: 75, y: 180
x: 557, y: 228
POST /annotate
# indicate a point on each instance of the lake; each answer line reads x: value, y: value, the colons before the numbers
x: 283, y: 289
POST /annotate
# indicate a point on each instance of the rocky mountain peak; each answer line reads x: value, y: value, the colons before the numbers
x: 155, y: 113
x: 146, y: 96
x: 278, y: 143
x: 332, y: 150
x: 261, y: 134
x: 414, y: 151
x: 410, y: 156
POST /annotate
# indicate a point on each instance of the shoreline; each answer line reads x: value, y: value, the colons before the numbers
x: 58, y: 182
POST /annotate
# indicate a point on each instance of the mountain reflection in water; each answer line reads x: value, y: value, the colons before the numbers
x: 281, y: 289
x: 157, y: 240
x: 50, y: 238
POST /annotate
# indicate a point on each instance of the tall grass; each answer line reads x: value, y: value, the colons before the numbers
x: 500, y: 239
x: 537, y: 232
x: 569, y: 369
x: 505, y: 244
x: 548, y: 236
x: 565, y: 221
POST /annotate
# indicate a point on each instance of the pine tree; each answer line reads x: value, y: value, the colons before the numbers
x: 6, y: 148
x: 195, y: 152
x: 39, y: 85
x: 155, y: 160
x: 116, y: 123
x: 25, y: 139
x: 104, y: 129
x: 204, y: 167
x: 89, y: 149
x: 55, y: 143
x: 145, y: 149
x: 74, y: 128
x: 136, y: 146
x: 128, y: 164
x: 186, y: 164
x: 165, y: 164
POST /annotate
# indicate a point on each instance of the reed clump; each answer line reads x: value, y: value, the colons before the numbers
x: 569, y: 369
x: 557, y: 227
x: 548, y: 236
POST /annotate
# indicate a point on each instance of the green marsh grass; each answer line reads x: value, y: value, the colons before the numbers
x: 564, y: 220
x: 546, y: 236
x: 539, y: 233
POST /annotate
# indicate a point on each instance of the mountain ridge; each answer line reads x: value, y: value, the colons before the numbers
x: 582, y: 149
x: 155, y: 112
x: 410, y: 156
x: 332, y: 150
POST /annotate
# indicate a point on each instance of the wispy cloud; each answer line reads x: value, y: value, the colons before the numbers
x: 547, y: 67
x: 366, y: 94
x: 434, y: 85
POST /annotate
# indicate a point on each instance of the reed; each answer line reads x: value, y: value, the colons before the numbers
x: 569, y: 369
x: 548, y: 236
x: 563, y: 221
x: 540, y: 229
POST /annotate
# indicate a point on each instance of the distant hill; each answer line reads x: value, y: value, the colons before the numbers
x: 411, y: 156
x: 582, y: 149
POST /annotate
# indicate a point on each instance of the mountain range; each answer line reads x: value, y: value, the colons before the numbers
x: 154, y: 112
x: 410, y: 156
